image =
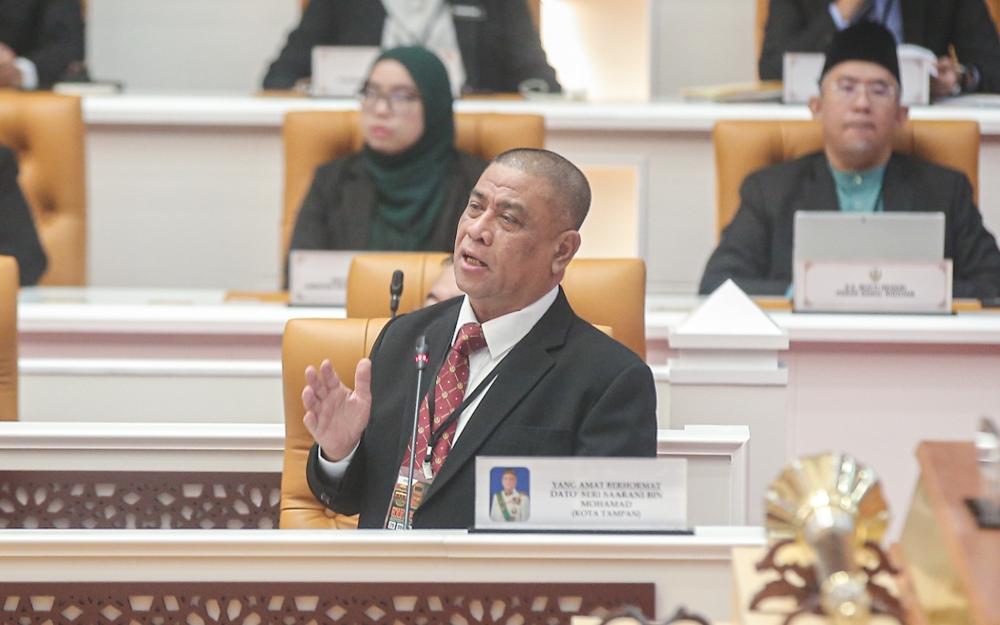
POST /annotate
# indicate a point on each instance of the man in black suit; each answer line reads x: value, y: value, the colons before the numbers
x: 18, y: 237
x: 809, y: 26
x: 552, y: 384
x: 39, y: 40
x: 858, y: 109
x: 497, y: 40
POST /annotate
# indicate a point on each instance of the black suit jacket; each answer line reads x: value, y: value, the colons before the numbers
x: 806, y: 26
x: 500, y: 49
x: 49, y: 33
x: 18, y: 237
x: 756, y: 247
x: 566, y: 389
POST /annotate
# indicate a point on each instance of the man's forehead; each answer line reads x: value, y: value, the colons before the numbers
x: 861, y: 70
x: 509, y: 184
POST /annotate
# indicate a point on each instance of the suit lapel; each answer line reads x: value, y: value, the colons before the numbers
x: 517, y: 374
x: 818, y: 191
x: 438, y: 334
x: 897, y: 193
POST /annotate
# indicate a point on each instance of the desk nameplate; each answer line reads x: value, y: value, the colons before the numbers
x: 318, y: 277
x: 866, y: 286
x: 531, y: 493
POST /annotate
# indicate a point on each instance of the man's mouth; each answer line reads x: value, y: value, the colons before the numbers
x: 472, y: 260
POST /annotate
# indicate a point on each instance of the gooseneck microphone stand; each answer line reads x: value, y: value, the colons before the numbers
x: 421, y: 360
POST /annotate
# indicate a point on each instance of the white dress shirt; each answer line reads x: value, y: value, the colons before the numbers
x: 502, y: 334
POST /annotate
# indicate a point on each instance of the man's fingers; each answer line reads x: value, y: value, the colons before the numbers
x: 363, y: 380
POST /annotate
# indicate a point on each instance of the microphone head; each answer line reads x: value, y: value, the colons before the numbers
x: 422, y: 349
x: 396, y: 288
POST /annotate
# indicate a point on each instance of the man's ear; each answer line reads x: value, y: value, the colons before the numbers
x: 816, y: 106
x: 567, y: 245
x: 902, y: 115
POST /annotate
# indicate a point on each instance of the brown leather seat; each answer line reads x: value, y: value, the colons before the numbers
x: 308, y: 342
x: 315, y: 137
x: 46, y: 131
x: 8, y: 338
x: 743, y: 147
x: 604, y: 291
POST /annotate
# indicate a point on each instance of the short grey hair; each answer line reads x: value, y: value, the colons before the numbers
x: 569, y: 186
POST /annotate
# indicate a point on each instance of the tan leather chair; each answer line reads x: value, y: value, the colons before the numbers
x: 8, y: 338
x: 308, y: 342
x: 604, y: 291
x: 46, y: 132
x: 370, y: 275
x: 315, y: 137
x: 743, y: 147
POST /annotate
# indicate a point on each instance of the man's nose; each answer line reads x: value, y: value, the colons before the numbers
x: 478, y: 228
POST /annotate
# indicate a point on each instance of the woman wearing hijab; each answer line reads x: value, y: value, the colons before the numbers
x: 406, y: 189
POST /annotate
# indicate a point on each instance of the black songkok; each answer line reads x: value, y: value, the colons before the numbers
x: 865, y: 41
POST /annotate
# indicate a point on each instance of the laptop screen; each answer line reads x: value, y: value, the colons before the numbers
x: 830, y: 235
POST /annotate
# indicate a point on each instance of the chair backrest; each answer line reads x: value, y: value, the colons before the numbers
x: 743, y: 147
x: 315, y: 137
x: 8, y: 338
x: 46, y: 132
x: 370, y: 275
x: 308, y: 342
x: 604, y: 291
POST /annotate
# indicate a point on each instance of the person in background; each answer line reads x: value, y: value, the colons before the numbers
x: 406, y: 189
x: 859, y: 110
x: 445, y: 287
x: 40, y: 41
x: 487, y: 45
x: 809, y: 26
x: 18, y: 237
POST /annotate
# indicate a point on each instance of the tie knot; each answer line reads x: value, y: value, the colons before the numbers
x: 470, y: 339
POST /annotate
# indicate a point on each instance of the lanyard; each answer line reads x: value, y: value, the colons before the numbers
x: 437, y: 433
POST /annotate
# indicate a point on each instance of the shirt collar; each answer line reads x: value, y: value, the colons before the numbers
x: 506, y: 331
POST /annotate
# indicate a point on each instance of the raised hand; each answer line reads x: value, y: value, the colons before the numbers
x: 335, y: 415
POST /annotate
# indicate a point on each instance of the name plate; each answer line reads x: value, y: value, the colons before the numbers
x: 339, y: 71
x: 614, y: 494
x: 873, y: 286
x: 801, y: 72
x: 318, y: 277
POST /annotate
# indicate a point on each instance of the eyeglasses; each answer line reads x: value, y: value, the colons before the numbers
x: 396, y: 101
x: 878, y: 91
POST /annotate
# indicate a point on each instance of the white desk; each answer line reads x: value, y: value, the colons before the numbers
x: 693, y: 571
x: 187, y: 191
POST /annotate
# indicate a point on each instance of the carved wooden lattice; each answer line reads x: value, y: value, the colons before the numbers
x: 264, y: 603
x: 81, y: 499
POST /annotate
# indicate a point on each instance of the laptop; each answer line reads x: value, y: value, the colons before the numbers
x: 834, y: 235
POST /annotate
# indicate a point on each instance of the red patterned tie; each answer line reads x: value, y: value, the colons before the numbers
x: 449, y: 390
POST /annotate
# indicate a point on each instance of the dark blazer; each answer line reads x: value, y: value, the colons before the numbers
x: 756, y: 247
x: 49, y: 33
x: 336, y: 212
x: 500, y: 48
x: 806, y: 26
x: 18, y: 237
x: 566, y: 389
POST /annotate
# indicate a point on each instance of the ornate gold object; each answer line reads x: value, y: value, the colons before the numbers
x: 830, y: 511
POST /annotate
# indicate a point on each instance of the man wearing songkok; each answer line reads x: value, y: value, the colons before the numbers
x: 858, y: 109
x: 938, y: 25
x: 512, y: 371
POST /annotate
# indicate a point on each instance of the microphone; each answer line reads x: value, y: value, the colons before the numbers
x: 421, y: 360
x: 395, y: 290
